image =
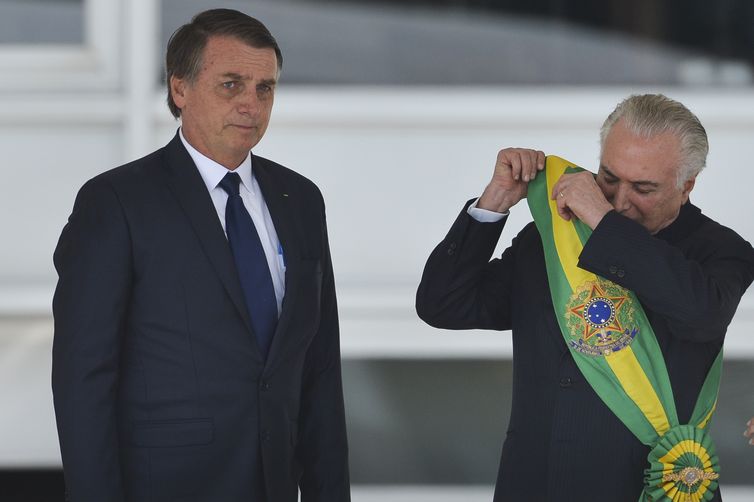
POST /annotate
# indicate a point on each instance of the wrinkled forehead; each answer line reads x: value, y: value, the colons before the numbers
x: 224, y: 55
x: 625, y: 150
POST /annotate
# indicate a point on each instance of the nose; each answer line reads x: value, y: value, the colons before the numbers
x: 621, y: 200
x: 248, y: 103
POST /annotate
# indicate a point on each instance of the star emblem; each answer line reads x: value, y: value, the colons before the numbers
x: 598, y: 313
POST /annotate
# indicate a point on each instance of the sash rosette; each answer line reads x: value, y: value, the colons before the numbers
x: 615, y: 348
x: 682, y: 466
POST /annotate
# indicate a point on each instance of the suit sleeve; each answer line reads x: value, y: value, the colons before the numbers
x: 697, y: 294
x: 94, y: 269
x: 460, y: 287
x: 323, y: 446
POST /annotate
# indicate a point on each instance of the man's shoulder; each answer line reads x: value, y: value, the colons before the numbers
x: 529, y: 235
x: 716, y: 238
x: 285, y: 175
x: 134, y: 182
x: 135, y: 169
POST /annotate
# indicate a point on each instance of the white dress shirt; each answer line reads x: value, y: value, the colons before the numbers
x: 212, y: 173
x: 485, y: 215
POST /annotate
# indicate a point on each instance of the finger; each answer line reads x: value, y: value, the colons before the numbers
x: 526, y: 166
x: 503, y: 158
x: 540, y: 160
x: 515, y: 161
x: 565, y: 213
x: 563, y: 210
x: 533, y: 164
x: 561, y: 185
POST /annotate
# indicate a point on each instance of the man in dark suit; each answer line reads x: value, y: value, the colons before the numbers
x: 563, y: 443
x: 196, y: 351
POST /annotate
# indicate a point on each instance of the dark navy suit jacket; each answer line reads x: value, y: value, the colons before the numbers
x: 562, y: 442
x: 161, y: 393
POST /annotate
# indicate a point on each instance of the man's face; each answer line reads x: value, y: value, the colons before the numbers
x: 639, y: 177
x: 225, y: 111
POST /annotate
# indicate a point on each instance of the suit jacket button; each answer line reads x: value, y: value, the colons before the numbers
x: 264, y: 386
x: 613, y: 269
x: 620, y: 273
x: 265, y: 435
x: 565, y: 382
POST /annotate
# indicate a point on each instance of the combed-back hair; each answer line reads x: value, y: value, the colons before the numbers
x: 186, y: 45
x: 648, y: 115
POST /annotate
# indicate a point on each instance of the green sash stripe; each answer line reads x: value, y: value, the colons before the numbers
x: 707, y: 400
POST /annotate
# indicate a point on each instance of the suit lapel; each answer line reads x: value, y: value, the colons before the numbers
x: 279, y: 203
x: 188, y: 187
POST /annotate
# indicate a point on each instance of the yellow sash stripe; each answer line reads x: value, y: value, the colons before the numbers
x: 567, y: 242
x: 634, y: 381
x: 623, y: 362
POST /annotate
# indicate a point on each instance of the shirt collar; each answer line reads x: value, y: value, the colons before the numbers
x: 212, y: 172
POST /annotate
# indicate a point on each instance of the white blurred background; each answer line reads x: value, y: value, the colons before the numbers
x: 396, y: 109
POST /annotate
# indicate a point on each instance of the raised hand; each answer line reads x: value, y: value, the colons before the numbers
x: 578, y: 195
x: 514, y: 169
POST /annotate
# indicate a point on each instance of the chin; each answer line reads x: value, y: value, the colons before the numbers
x: 246, y: 143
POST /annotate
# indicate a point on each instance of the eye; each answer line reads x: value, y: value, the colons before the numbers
x: 264, y: 88
x: 230, y: 85
x: 643, y: 191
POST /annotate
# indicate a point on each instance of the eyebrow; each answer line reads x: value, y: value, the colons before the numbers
x: 237, y: 76
x: 231, y: 75
x: 638, y: 182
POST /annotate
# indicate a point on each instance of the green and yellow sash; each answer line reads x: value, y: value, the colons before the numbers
x: 615, y: 348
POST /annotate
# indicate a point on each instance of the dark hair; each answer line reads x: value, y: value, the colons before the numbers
x: 186, y: 45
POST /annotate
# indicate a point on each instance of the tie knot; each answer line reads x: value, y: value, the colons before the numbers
x: 230, y: 183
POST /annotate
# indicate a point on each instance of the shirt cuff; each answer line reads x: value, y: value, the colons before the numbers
x: 485, y: 215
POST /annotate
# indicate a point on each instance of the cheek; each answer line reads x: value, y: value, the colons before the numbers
x: 650, y: 208
x: 641, y: 207
x: 267, y: 110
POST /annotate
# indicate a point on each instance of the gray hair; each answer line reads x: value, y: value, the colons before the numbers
x: 648, y: 115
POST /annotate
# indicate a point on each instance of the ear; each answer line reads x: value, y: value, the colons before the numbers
x: 688, y: 186
x: 178, y: 88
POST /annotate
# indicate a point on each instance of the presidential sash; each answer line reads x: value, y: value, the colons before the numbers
x: 615, y: 348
